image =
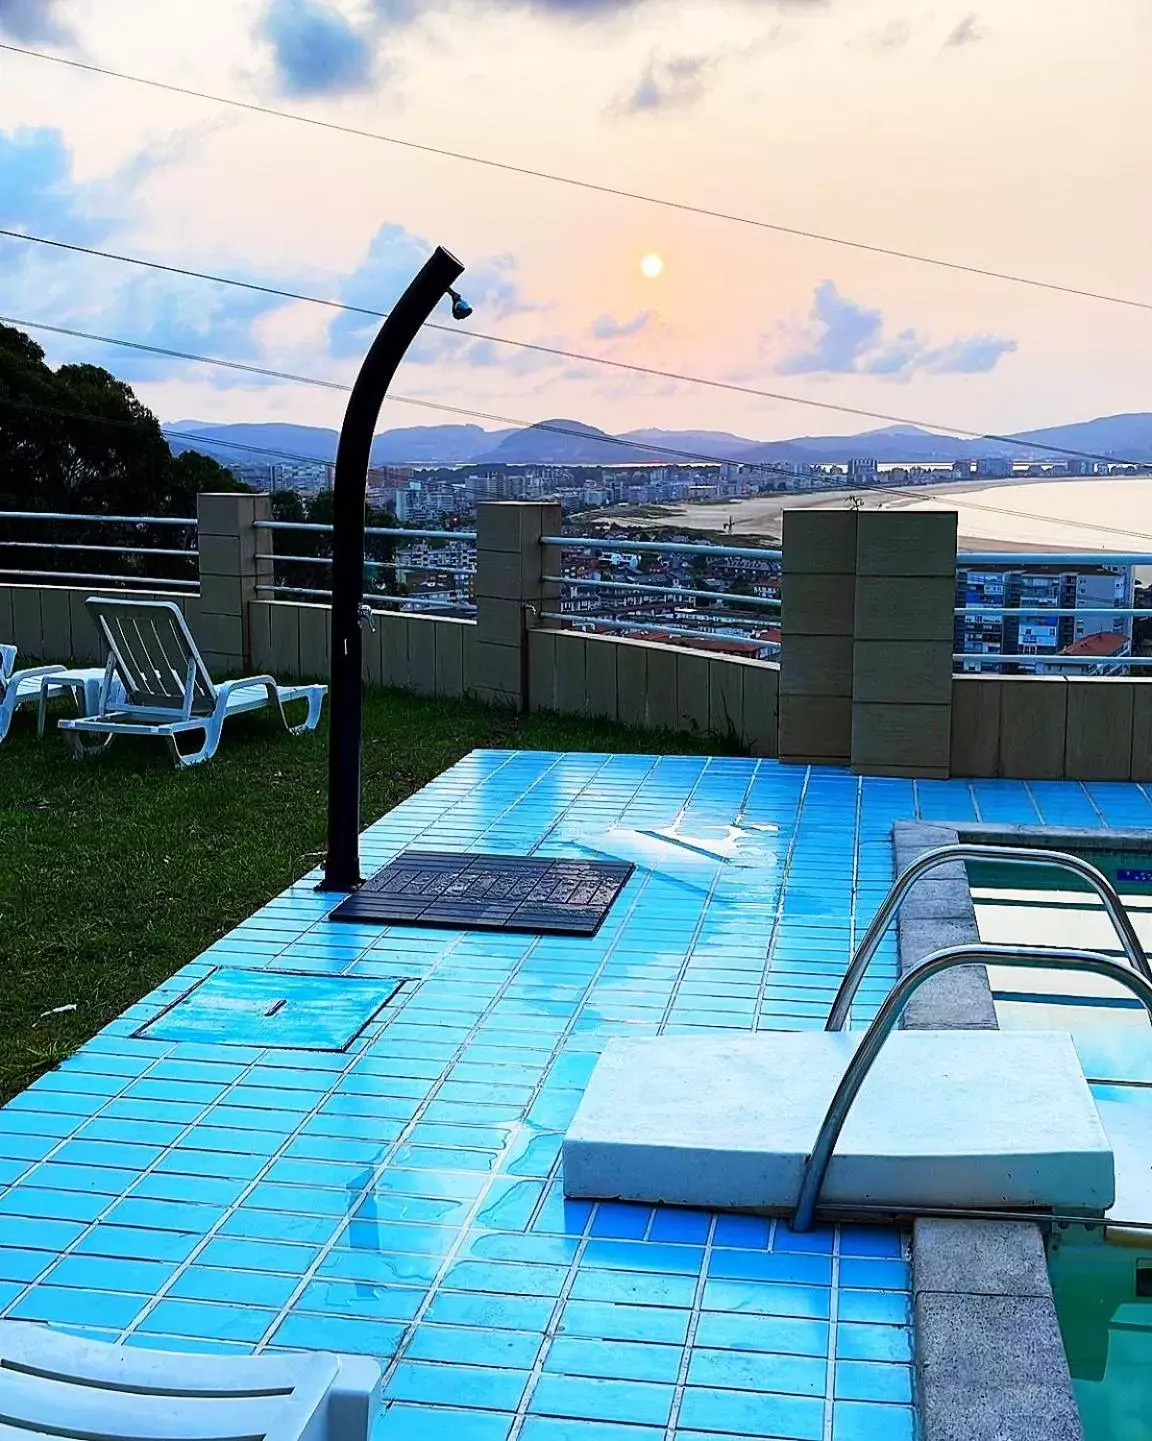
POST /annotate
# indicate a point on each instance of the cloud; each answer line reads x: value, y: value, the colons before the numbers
x: 892, y: 36
x: 975, y: 355
x: 672, y: 84
x: 316, y: 50
x: 40, y: 194
x: 967, y: 31
x: 405, y: 12
x: 607, y: 327
x: 848, y: 339
x: 844, y: 332
x: 33, y: 21
x: 42, y: 197
x: 394, y: 256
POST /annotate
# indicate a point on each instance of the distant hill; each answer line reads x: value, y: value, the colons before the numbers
x: 572, y: 442
x: 307, y: 441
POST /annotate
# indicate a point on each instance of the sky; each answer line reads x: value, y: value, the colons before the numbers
x: 1009, y: 137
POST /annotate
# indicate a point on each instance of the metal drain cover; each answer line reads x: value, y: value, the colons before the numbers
x: 291, y: 1010
x: 465, y: 891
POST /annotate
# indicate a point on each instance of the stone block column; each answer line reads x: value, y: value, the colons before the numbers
x: 235, y: 558
x: 817, y: 618
x: 904, y: 635
x: 511, y: 593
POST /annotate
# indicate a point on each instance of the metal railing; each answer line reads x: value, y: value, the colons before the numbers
x: 458, y: 599
x: 1011, y: 855
x: 1023, y: 957
x: 129, y: 579
x: 1023, y: 609
x: 679, y: 606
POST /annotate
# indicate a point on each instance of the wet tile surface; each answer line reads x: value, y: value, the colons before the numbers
x: 402, y: 1198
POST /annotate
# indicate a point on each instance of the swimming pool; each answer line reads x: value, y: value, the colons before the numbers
x: 1101, y: 1278
x: 1057, y: 909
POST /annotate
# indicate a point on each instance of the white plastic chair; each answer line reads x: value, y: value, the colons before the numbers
x: 19, y: 687
x: 55, y: 1385
x: 168, y: 690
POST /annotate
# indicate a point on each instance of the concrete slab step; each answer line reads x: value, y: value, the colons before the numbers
x: 958, y: 1119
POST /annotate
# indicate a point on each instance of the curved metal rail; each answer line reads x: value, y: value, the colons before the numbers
x: 1024, y: 957
x: 1012, y: 855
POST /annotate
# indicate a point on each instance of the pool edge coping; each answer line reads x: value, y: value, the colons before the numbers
x: 989, y: 1358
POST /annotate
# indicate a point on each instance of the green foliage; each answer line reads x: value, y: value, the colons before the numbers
x: 77, y: 439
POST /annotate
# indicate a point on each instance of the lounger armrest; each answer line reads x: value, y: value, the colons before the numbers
x: 34, y: 671
x: 225, y: 688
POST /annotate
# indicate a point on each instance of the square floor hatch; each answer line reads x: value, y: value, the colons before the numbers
x: 535, y: 894
x: 292, y: 1010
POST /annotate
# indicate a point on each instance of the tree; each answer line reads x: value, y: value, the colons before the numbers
x: 78, y: 440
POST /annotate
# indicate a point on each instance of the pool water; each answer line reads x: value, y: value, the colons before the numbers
x: 1057, y: 909
x: 1107, y: 1330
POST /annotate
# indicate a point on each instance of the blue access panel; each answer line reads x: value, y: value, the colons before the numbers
x: 286, y: 1009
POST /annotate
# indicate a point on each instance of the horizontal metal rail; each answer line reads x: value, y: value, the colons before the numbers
x: 151, y: 581
x: 1008, y: 855
x: 372, y: 564
x: 382, y: 602
x: 444, y: 535
x: 1010, y: 560
x: 1051, y: 658
x: 1023, y: 957
x: 1042, y: 612
x: 578, y: 619
x: 94, y: 519
x: 660, y: 547
x: 665, y: 590
x: 103, y: 549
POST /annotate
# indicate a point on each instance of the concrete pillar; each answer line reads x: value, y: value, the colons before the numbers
x: 817, y: 617
x: 511, y: 593
x: 902, y: 651
x: 235, y: 558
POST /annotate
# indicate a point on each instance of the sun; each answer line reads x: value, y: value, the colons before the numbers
x: 652, y: 266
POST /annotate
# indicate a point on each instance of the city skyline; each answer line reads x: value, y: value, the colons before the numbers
x: 931, y: 130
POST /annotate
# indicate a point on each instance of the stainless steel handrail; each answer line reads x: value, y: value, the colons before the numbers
x: 1012, y: 855
x: 1024, y: 957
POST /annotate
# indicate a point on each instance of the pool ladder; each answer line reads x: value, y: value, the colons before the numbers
x: 1135, y: 977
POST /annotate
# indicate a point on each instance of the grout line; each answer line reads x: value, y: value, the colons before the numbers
x: 690, y: 1339
x: 833, y: 1323
x: 337, y: 1077
x: 785, y: 878
x: 381, y: 1166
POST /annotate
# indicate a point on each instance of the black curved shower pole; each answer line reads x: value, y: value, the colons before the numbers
x: 434, y: 282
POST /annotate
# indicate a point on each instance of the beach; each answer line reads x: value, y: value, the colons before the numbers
x: 1105, y: 513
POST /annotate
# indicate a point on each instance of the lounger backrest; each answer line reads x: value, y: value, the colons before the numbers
x: 155, y: 655
x: 7, y: 665
x: 65, y: 1386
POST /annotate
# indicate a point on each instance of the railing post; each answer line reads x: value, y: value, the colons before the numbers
x: 818, y: 587
x: 510, y: 594
x: 235, y: 559
x: 903, y: 643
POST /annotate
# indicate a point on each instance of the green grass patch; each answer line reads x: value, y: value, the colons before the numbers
x: 118, y: 870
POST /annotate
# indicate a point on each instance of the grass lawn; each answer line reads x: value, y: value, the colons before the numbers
x: 116, y: 871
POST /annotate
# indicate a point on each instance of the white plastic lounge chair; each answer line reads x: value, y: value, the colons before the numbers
x: 18, y: 687
x: 55, y: 1385
x: 168, y: 690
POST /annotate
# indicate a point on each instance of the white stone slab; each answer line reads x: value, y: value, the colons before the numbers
x: 944, y: 1118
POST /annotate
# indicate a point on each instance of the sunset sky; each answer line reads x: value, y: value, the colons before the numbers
x: 1012, y: 137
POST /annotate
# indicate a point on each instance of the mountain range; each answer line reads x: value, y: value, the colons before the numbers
x: 571, y: 442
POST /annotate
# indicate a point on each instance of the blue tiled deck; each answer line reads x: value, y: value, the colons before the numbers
x: 402, y: 1198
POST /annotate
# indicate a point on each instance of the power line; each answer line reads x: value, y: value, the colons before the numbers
x: 317, y: 460
x: 797, y: 232
x: 293, y: 378
x: 555, y: 351
x: 783, y: 396
x: 167, y: 431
